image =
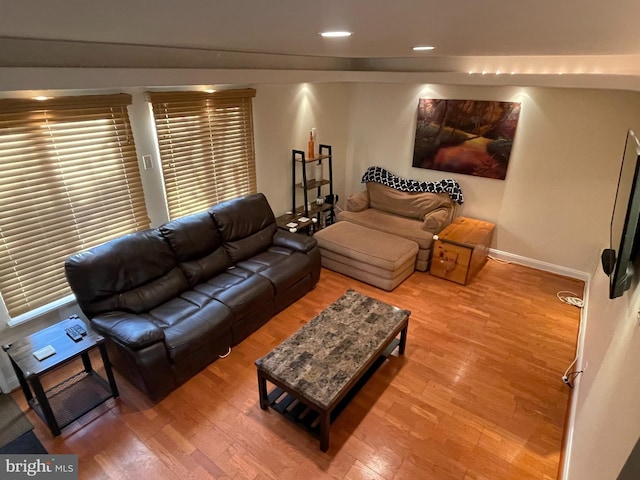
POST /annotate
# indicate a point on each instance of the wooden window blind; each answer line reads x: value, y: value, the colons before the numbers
x: 206, y: 147
x: 69, y: 180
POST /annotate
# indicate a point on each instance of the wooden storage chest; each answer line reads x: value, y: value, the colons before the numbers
x: 460, y: 250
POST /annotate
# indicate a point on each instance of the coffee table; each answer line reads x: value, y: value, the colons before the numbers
x: 69, y: 400
x: 318, y: 368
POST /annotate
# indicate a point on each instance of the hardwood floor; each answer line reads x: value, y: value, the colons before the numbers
x: 477, y: 396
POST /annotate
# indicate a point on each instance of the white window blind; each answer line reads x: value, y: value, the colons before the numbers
x: 206, y: 147
x: 69, y: 180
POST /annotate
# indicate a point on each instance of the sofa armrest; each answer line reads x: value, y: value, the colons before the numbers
x: 436, y: 220
x: 129, y: 329
x: 358, y: 201
x: 294, y: 241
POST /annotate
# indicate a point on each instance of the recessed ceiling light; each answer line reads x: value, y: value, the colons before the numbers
x: 41, y: 98
x: 336, y: 34
x: 422, y: 48
x: 209, y: 90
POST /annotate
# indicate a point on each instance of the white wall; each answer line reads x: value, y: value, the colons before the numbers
x: 555, y: 204
x: 283, y: 117
x: 605, y: 416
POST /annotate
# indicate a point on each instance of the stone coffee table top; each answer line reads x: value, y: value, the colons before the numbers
x: 320, y: 359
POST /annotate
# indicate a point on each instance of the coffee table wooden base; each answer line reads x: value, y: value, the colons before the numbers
x: 309, y: 415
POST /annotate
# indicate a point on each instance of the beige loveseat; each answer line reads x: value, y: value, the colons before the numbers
x: 415, y: 216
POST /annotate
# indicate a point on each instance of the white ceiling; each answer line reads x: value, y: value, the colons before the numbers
x: 381, y: 28
x: 592, y: 43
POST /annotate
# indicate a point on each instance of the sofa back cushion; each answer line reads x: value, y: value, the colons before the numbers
x: 247, y: 225
x: 407, y: 204
x: 197, y: 245
x: 133, y: 273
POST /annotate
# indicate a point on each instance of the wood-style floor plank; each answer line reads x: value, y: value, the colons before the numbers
x: 477, y: 396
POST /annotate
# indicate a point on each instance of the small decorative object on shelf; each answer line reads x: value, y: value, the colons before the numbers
x: 312, y: 148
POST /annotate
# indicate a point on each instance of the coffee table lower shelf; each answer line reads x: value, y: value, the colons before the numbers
x: 297, y: 411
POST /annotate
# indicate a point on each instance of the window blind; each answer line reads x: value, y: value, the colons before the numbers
x: 69, y: 180
x: 206, y: 147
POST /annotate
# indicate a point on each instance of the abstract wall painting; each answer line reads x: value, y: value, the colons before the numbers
x: 471, y: 137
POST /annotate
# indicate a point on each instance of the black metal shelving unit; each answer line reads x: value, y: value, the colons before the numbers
x: 300, y: 164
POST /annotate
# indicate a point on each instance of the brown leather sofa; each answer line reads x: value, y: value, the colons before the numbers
x: 171, y: 300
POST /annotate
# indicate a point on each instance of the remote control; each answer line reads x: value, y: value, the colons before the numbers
x: 73, y: 335
x: 44, y: 352
x: 80, y: 329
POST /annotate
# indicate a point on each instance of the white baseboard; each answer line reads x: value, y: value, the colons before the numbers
x: 575, y: 393
x: 537, y: 264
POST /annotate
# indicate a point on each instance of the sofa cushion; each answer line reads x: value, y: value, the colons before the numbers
x: 205, y: 267
x: 293, y: 241
x: 131, y: 330
x: 283, y: 267
x: 358, y: 201
x: 133, y: 273
x: 247, y: 225
x: 188, y: 327
x: 192, y: 236
x: 153, y: 293
x: 407, y: 204
x: 240, y: 290
x: 197, y: 244
x: 436, y: 220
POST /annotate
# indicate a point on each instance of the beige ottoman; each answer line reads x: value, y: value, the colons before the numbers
x: 374, y: 257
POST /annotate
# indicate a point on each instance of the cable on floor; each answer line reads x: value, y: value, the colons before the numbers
x: 498, y: 260
x: 570, y: 298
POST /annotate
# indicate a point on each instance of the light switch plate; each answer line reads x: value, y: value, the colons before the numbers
x: 147, y: 162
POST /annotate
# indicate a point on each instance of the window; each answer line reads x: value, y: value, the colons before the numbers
x: 69, y: 180
x: 206, y: 147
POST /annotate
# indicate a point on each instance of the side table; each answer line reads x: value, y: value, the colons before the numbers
x: 460, y: 249
x: 69, y: 400
x: 292, y: 223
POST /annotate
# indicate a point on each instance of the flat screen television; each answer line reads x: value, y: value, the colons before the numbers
x: 617, y: 260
